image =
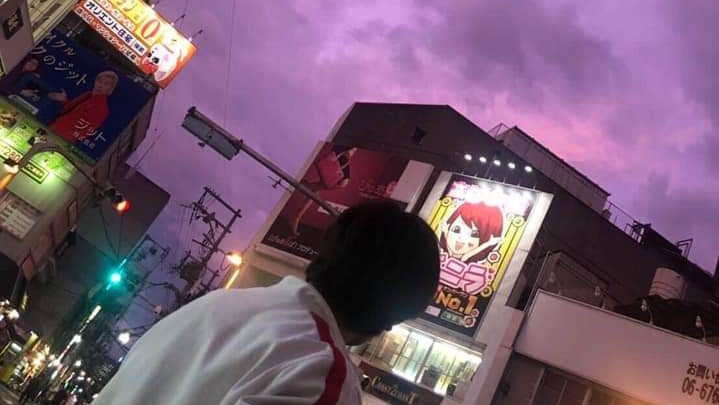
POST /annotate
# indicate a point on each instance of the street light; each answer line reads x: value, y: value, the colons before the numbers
x: 11, y: 166
x: 13, y: 315
x: 124, y: 338
x: 234, y: 258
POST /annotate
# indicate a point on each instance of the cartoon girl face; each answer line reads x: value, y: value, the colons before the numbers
x: 472, y: 231
x: 462, y: 237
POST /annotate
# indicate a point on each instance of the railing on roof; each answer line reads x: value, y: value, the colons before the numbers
x: 622, y: 220
x: 611, y: 212
x: 498, y: 130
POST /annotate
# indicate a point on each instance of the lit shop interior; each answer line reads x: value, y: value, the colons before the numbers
x: 426, y: 360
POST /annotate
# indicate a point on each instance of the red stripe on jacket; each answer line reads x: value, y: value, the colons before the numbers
x: 338, y: 370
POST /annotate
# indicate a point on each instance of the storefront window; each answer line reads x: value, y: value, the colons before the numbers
x: 424, y: 359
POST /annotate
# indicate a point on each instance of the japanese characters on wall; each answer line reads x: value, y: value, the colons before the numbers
x: 342, y: 176
x: 143, y: 36
x: 75, y: 94
x: 702, y: 382
x: 15, y: 33
x: 479, y: 225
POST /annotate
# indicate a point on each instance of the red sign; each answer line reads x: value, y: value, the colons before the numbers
x: 343, y: 177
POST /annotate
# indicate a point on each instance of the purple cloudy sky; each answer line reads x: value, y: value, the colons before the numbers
x: 627, y: 92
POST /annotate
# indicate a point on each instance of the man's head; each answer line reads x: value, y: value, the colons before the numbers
x: 378, y: 267
x: 105, y: 83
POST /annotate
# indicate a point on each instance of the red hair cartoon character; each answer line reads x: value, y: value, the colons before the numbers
x: 472, y: 232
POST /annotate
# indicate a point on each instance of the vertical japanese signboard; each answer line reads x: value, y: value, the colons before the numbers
x: 75, y: 94
x: 16, y: 216
x: 479, y: 225
x: 342, y: 176
x: 15, y: 34
x: 143, y: 36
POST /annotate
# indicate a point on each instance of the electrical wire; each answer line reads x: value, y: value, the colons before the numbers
x: 107, y: 233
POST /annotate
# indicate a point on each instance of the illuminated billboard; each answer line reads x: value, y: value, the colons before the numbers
x: 75, y: 94
x: 16, y: 129
x: 141, y: 34
x: 479, y: 225
x: 342, y: 176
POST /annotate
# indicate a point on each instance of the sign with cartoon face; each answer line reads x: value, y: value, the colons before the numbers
x: 141, y: 34
x: 479, y: 225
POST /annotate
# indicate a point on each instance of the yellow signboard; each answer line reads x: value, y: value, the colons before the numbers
x: 141, y: 34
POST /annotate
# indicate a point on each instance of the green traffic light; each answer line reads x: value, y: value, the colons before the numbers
x: 115, y: 278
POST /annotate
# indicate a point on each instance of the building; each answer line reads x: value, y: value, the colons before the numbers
x: 518, y: 322
x: 75, y: 101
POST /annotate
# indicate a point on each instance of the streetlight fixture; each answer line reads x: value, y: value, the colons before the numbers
x: 511, y: 165
x: 468, y: 157
x: 11, y: 166
x: 124, y: 338
x: 78, y: 363
x: 234, y: 258
x: 482, y: 160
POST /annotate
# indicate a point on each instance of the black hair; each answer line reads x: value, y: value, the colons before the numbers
x: 378, y: 266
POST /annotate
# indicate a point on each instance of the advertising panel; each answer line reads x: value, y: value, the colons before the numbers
x: 143, y: 36
x: 343, y: 177
x: 75, y: 94
x: 16, y: 130
x: 17, y: 217
x: 16, y: 35
x: 45, y: 14
x: 479, y: 225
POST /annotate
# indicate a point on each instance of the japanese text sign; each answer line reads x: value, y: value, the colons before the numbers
x: 75, y: 94
x: 702, y: 382
x: 143, y: 36
x: 479, y: 225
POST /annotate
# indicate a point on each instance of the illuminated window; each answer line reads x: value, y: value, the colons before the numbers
x: 424, y: 359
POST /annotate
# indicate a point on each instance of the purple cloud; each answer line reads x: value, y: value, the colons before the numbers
x: 627, y: 95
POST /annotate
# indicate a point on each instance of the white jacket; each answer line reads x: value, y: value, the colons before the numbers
x: 278, y: 345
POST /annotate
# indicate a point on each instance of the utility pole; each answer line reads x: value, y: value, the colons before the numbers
x: 193, y: 269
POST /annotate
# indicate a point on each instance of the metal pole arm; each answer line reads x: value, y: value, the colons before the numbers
x: 223, y: 142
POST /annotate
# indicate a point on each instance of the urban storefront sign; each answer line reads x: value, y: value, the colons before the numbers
x: 479, y: 225
x: 75, y: 94
x: 17, y: 217
x: 141, y: 34
x: 16, y: 37
x: 701, y: 382
x: 343, y: 177
x: 16, y: 130
x: 396, y: 390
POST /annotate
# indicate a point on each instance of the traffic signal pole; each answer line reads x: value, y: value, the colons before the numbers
x: 223, y: 142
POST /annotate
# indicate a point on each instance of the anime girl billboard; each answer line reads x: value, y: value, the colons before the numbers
x: 479, y: 225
